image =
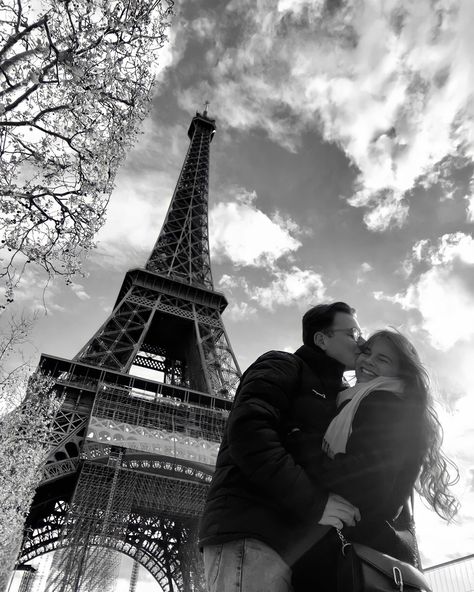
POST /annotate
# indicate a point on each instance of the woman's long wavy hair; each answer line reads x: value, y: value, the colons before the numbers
x: 437, y: 472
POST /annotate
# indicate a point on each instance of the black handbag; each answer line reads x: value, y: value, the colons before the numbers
x: 363, y: 569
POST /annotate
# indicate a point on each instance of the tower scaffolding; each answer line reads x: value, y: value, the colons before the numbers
x: 134, y: 577
x: 87, y: 561
x: 27, y: 579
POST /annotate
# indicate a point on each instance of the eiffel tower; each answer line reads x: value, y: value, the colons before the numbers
x: 132, y: 455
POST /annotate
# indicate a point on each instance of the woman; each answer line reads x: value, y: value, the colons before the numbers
x: 385, y: 438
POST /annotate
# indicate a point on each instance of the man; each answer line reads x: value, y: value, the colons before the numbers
x: 260, y: 500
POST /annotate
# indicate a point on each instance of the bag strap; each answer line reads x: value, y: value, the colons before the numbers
x: 412, y: 504
x: 416, y: 548
x: 344, y: 542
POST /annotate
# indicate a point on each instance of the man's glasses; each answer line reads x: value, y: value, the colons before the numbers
x: 353, y: 332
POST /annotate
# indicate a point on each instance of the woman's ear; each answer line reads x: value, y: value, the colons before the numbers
x: 319, y: 339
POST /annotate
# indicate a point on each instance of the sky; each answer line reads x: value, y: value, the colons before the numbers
x: 342, y: 169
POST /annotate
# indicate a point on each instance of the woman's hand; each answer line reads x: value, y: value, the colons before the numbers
x: 339, y: 512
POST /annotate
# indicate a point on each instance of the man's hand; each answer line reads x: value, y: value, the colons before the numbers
x: 339, y: 512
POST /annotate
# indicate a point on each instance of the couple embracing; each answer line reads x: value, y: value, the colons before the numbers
x: 305, y: 459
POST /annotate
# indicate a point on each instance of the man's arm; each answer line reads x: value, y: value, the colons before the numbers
x: 254, y: 432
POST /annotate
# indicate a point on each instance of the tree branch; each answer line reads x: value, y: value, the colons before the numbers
x: 31, y: 90
x: 17, y: 57
x: 14, y: 38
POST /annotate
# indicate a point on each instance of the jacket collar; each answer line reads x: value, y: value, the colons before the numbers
x: 329, y: 371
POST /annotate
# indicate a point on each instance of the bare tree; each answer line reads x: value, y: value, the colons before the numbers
x: 27, y: 408
x: 76, y: 80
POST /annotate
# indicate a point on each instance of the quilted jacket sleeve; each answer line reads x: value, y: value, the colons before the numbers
x: 254, y: 433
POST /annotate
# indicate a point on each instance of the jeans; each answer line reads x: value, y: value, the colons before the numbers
x: 245, y: 565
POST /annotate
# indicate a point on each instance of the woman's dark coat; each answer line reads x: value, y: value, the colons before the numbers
x: 376, y: 473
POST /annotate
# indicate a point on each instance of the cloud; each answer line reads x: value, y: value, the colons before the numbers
x: 299, y: 287
x: 284, y: 221
x: 35, y: 293
x: 364, y: 269
x: 134, y: 217
x: 443, y: 295
x: 171, y: 53
x: 230, y: 282
x: 204, y: 26
x: 470, y: 208
x: 450, y: 247
x: 263, y: 240
x: 390, y: 83
x: 79, y: 291
x: 446, y: 305
x: 239, y: 311
x: 386, y: 208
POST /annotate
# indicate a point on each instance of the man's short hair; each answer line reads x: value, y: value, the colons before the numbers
x: 321, y: 318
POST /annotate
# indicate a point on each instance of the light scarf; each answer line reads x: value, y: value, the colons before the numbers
x: 340, y: 428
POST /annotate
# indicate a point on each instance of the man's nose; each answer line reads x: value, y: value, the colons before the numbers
x: 360, y: 341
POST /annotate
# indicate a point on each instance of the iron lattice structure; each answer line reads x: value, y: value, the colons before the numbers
x: 131, y: 457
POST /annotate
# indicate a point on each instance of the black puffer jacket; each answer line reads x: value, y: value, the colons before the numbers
x: 258, y: 490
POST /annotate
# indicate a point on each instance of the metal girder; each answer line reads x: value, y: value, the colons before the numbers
x: 182, y: 249
x: 67, y: 437
x: 115, y: 343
